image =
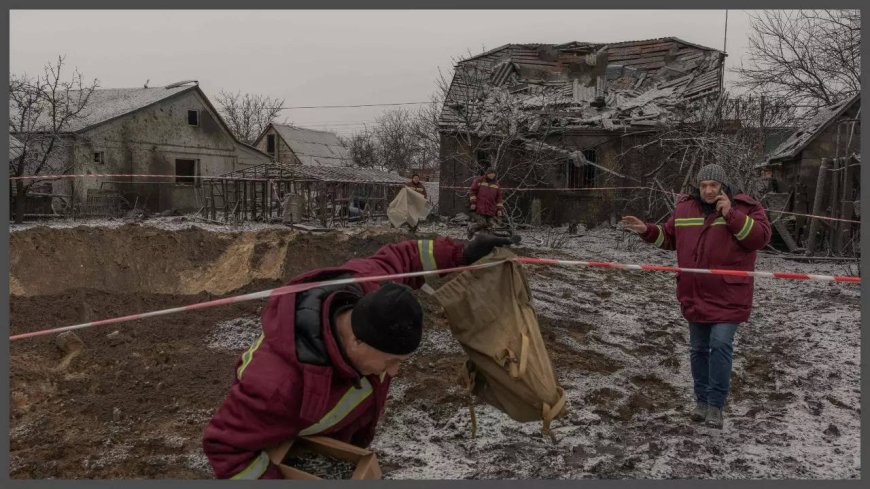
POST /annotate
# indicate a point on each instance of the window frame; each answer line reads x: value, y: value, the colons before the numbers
x: 190, y: 180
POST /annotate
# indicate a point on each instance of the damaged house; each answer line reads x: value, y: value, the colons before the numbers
x: 561, y: 117
x: 817, y: 171
x: 300, y: 146
x: 172, y: 130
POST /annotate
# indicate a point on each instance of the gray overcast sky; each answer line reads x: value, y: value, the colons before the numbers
x: 311, y: 57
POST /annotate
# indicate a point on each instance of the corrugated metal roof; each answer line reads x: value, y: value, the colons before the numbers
x: 314, y: 148
x: 348, y: 174
x: 15, y: 148
x: 806, y: 134
x: 108, y: 103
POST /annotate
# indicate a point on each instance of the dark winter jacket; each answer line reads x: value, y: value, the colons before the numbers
x: 295, y: 380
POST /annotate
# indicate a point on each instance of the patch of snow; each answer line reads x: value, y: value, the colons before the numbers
x: 235, y: 334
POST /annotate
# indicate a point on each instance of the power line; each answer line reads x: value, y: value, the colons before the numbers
x: 349, y: 106
x: 326, y: 124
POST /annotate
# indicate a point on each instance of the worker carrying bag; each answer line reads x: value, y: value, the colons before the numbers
x: 490, y: 314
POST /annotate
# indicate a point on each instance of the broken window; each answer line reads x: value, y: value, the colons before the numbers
x: 482, y: 158
x: 186, y: 172
x: 270, y: 144
x: 99, y: 157
x: 193, y: 117
x: 582, y: 175
x: 589, y: 170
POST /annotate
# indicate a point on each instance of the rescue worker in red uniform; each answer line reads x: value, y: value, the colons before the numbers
x: 416, y: 185
x: 712, y: 228
x: 486, y: 203
x: 325, y: 358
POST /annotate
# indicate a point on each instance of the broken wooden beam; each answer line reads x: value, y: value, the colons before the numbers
x: 366, y: 462
x: 783, y: 232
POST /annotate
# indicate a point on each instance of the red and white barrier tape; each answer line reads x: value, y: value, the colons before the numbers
x: 200, y: 177
x: 286, y: 289
x: 563, y: 189
x: 811, y: 216
x: 711, y: 271
x: 111, y: 175
x: 451, y: 187
x: 585, y: 189
x: 291, y: 289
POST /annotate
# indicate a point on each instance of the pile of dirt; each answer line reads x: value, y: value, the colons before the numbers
x: 141, y: 259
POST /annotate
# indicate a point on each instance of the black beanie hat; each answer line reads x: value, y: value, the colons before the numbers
x: 389, y: 319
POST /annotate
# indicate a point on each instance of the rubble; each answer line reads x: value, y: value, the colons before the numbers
x: 642, y: 83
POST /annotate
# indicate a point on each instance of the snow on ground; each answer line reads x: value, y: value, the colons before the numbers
x: 620, y: 349
x: 235, y: 335
x: 794, y: 409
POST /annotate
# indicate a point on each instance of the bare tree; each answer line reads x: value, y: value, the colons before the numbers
x: 362, y: 148
x: 398, y: 141
x: 729, y: 131
x: 809, y: 57
x: 504, y: 126
x: 393, y: 134
x: 426, y: 134
x: 247, y: 115
x: 42, y: 111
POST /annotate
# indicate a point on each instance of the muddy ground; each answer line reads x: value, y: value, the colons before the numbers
x: 135, y: 402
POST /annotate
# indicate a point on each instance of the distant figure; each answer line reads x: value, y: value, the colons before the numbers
x: 711, y: 229
x: 486, y: 202
x: 416, y: 184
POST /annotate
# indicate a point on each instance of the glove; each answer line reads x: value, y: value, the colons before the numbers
x: 473, y: 207
x: 482, y: 245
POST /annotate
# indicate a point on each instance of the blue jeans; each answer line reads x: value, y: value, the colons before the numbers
x: 711, y: 353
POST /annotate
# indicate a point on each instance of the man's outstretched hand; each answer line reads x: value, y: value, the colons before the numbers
x: 634, y: 224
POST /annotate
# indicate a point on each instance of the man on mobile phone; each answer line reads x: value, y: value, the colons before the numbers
x: 711, y: 228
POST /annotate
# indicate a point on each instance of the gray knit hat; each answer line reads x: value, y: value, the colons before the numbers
x: 712, y: 172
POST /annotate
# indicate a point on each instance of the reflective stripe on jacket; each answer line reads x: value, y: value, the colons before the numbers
x: 714, y: 241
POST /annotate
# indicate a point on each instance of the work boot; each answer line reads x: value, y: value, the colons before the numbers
x: 700, y: 412
x: 714, y: 417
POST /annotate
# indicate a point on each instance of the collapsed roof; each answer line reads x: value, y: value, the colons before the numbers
x: 581, y: 85
x: 806, y: 134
